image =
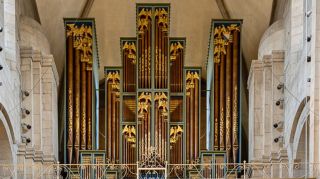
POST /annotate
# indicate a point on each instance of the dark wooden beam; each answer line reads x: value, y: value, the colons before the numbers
x: 273, y: 11
x: 86, y: 9
x: 223, y: 10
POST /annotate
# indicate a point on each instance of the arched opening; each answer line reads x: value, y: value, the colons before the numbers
x: 299, y: 140
x: 6, y: 159
x: 6, y: 153
x: 301, y: 154
x: 7, y: 168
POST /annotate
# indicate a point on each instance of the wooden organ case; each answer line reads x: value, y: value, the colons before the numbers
x: 81, y: 77
x: 152, y: 100
x: 224, y: 89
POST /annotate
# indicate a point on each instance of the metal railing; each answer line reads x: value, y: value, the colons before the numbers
x: 205, y: 170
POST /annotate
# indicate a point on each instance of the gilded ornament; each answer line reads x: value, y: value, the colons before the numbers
x: 143, y: 20
x: 114, y: 77
x: 144, y: 101
x: 162, y: 99
x: 82, y: 40
x: 130, y: 134
x: 174, y: 48
x: 190, y: 80
x: 175, y: 133
x: 130, y: 47
x: 162, y: 15
x: 222, y: 37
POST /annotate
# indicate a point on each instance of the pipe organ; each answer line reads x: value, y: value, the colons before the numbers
x: 80, y: 87
x: 152, y: 100
x: 225, y: 65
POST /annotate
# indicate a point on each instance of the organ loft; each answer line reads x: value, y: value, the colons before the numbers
x: 149, y: 111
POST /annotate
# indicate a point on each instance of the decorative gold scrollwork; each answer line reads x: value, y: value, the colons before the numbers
x: 174, y: 48
x: 162, y: 103
x: 82, y: 40
x: 144, y: 101
x: 162, y: 14
x: 143, y: 20
x: 129, y: 133
x: 222, y: 37
x: 130, y: 47
x: 175, y: 132
x: 190, y: 80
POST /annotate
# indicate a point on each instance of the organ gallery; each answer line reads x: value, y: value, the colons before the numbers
x: 148, y: 111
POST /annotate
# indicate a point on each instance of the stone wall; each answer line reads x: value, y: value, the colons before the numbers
x: 28, y: 91
x: 265, y: 77
x: 299, y: 71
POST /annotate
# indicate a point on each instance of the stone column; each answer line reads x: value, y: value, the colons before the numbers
x: 27, y: 94
x: 267, y: 105
x: 277, y: 112
x: 36, y: 97
x: 284, y: 166
x: 49, y: 107
x: 21, y: 161
x: 256, y: 123
x: 29, y: 165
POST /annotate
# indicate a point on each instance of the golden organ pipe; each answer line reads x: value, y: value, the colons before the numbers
x: 156, y: 58
x: 196, y: 117
x: 149, y: 128
x: 160, y: 133
x: 216, y: 106
x: 123, y: 149
x: 70, y: 99
x: 143, y: 135
x: 77, y: 105
x: 149, y: 57
x: 89, y: 108
x: 162, y: 60
x: 142, y: 60
x: 222, y: 103
x: 163, y: 138
x: 166, y: 60
x: 180, y: 71
x: 116, y: 130
x: 156, y: 126
x: 125, y: 66
x: 83, y: 105
x: 109, y: 118
x: 235, y: 95
x: 228, y: 102
x: 192, y: 122
x: 113, y: 125
x: 188, y: 127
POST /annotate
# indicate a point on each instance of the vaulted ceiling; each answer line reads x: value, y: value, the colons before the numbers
x: 189, y: 18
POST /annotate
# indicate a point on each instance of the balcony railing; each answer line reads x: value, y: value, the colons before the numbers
x: 209, y: 170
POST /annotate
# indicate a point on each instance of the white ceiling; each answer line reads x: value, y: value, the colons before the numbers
x: 189, y: 18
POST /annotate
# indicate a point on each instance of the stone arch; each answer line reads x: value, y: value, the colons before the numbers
x: 6, y: 121
x: 299, y: 119
x: 7, y: 138
x: 299, y: 138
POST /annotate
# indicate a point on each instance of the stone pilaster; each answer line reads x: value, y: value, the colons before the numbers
x: 256, y: 132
